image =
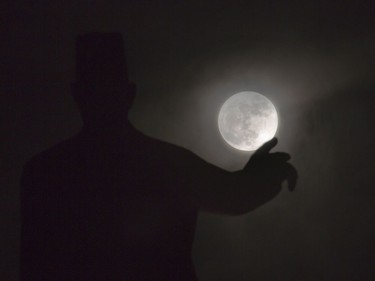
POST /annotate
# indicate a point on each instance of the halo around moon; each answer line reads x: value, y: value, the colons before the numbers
x: 247, y: 120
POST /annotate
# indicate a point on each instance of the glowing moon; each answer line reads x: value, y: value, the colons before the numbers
x: 247, y: 120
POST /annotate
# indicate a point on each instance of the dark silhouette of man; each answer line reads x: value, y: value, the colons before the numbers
x: 113, y: 204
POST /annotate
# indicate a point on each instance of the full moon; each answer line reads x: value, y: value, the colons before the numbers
x: 247, y: 120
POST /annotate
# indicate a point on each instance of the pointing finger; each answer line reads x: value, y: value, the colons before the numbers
x: 265, y: 148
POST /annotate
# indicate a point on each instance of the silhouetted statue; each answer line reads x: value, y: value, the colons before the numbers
x: 113, y: 204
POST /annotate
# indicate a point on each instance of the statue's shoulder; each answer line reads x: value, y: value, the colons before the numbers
x: 61, y: 152
x: 41, y: 174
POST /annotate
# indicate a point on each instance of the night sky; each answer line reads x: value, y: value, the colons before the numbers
x: 313, y: 59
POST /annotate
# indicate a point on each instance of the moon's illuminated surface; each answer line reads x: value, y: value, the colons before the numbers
x: 247, y: 120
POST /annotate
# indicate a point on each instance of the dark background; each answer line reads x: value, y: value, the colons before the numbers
x: 313, y: 59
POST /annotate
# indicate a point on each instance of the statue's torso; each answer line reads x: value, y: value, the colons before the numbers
x: 118, y: 207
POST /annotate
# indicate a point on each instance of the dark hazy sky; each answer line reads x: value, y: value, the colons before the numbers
x: 313, y: 59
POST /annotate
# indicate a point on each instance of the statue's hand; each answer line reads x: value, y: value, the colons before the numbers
x: 270, y: 170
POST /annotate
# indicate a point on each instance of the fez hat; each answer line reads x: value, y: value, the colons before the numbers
x: 99, y: 57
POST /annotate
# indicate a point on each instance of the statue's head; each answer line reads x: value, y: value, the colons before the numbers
x: 102, y: 89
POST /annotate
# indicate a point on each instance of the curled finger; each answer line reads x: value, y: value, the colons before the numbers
x: 292, y: 176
